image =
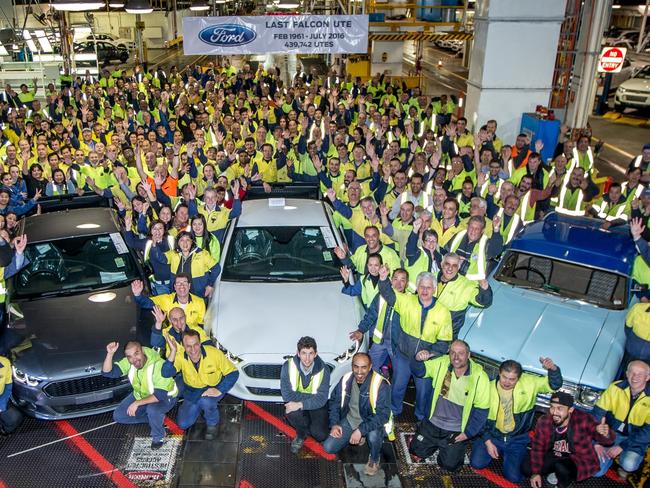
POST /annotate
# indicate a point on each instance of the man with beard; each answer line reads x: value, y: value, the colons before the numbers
x: 563, y: 446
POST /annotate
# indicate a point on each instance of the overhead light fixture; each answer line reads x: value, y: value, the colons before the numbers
x: 43, y: 41
x: 220, y: 1
x: 287, y: 4
x: 616, y: 6
x: 76, y: 5
x: 116, y: 3
x: 199, y: 6
x: 138, y: 7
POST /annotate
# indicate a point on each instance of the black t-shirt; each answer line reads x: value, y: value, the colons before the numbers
x: 561, y: 447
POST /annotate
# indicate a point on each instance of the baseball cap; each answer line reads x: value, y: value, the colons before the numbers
x: 562, y: 398
x: 646, y: 147
x: 646, y: 193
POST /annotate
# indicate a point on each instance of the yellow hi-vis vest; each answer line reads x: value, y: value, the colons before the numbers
x: 375, y: 383
x: 144, y: 381
x: 296, y: 381
x: 478, y: 259
x: 526, y: 212
x: 570, y: 204
x: 587, y: 165
x: 378, y: 333
x: 508, y: 232
x: 637, y: 192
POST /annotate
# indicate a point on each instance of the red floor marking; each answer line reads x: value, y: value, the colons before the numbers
x: 2, y: 485
x: 310, y: 443
x: 173, y: 427
x: 611, y: 474
x: 495, y: 478
x: 99, y: 461
x: 242, y: 484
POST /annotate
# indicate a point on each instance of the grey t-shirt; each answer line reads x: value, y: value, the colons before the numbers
x: 447, y: 415
x: 354, y: 417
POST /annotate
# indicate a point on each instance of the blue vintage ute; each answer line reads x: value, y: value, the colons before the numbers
x: 562, y: 290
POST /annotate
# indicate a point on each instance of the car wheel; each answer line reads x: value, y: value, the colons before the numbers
x: 618, y: 107
x: 124, y: 58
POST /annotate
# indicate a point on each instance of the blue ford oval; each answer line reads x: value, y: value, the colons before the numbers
x: 227, y: 35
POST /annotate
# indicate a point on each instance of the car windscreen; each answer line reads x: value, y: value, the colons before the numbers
x: 281, y: 254
x: 561, y: 278
x: 644, y: 73
x: 75, y: 265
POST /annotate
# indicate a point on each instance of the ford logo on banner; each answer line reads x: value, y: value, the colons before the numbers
x: 227, y: 35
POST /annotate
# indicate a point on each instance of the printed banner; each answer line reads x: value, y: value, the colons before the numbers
x: 305, y: 34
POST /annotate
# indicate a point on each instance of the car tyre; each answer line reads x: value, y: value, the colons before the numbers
x: 619, y: 107
x: 124, y: 58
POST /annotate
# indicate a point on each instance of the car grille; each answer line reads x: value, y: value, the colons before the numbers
x: 490, y: 366
x: 78, y: 386
x: 67, y: 409
x: 264, y: 391
x: 263, y: 371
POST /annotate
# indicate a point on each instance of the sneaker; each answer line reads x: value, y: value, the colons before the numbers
x: 296, y: 444
x: 210, y: 432
x: 622, y: 473
x: 551, y: 479
x: 155, y: 445
x: 371, y: 468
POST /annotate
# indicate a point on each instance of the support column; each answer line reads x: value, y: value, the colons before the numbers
x: 139, y: 42
x: 513, y: 57
x: 594, y: 21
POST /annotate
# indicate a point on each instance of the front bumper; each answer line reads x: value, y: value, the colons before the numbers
x: 584, y: 396
x: 259, y: 376
x: 633, y: 99
x: 48, y: 403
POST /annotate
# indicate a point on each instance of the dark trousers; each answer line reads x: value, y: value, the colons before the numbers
x: 563, y: 467
x: 310, y: 422
x: 10, y: 419
x: 430, y: 438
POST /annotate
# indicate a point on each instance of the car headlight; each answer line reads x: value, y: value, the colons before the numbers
x: 16, y: 319
x: 23, y: 378
x: 588, y: 397
x: 234, y: 359
x: 351, y: 351
x: 620, y: 90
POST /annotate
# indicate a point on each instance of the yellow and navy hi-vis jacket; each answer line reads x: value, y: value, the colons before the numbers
x: 614, y: 404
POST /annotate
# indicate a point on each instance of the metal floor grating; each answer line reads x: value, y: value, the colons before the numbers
x: 271, y: 465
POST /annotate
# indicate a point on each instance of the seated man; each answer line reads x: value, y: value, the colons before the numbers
x: 10, y: 416
x: 359, y: 411
x: 563, y: 445
x: 153, y: 394
x: 513, y: 397
x: 305, y: 386
x: 625, y: 405
x: 458, y: 408
x: 207, y: 376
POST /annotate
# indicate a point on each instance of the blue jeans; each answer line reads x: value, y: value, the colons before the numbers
x: 379, y: 353
x: 628, y: 460
x: 374, y: 438
x: 423, y: 388
x: 152, y: 414
x: 512, y: 450
x: 189, y: 412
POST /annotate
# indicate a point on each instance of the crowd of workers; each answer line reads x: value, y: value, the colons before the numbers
x: 425, y: 204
